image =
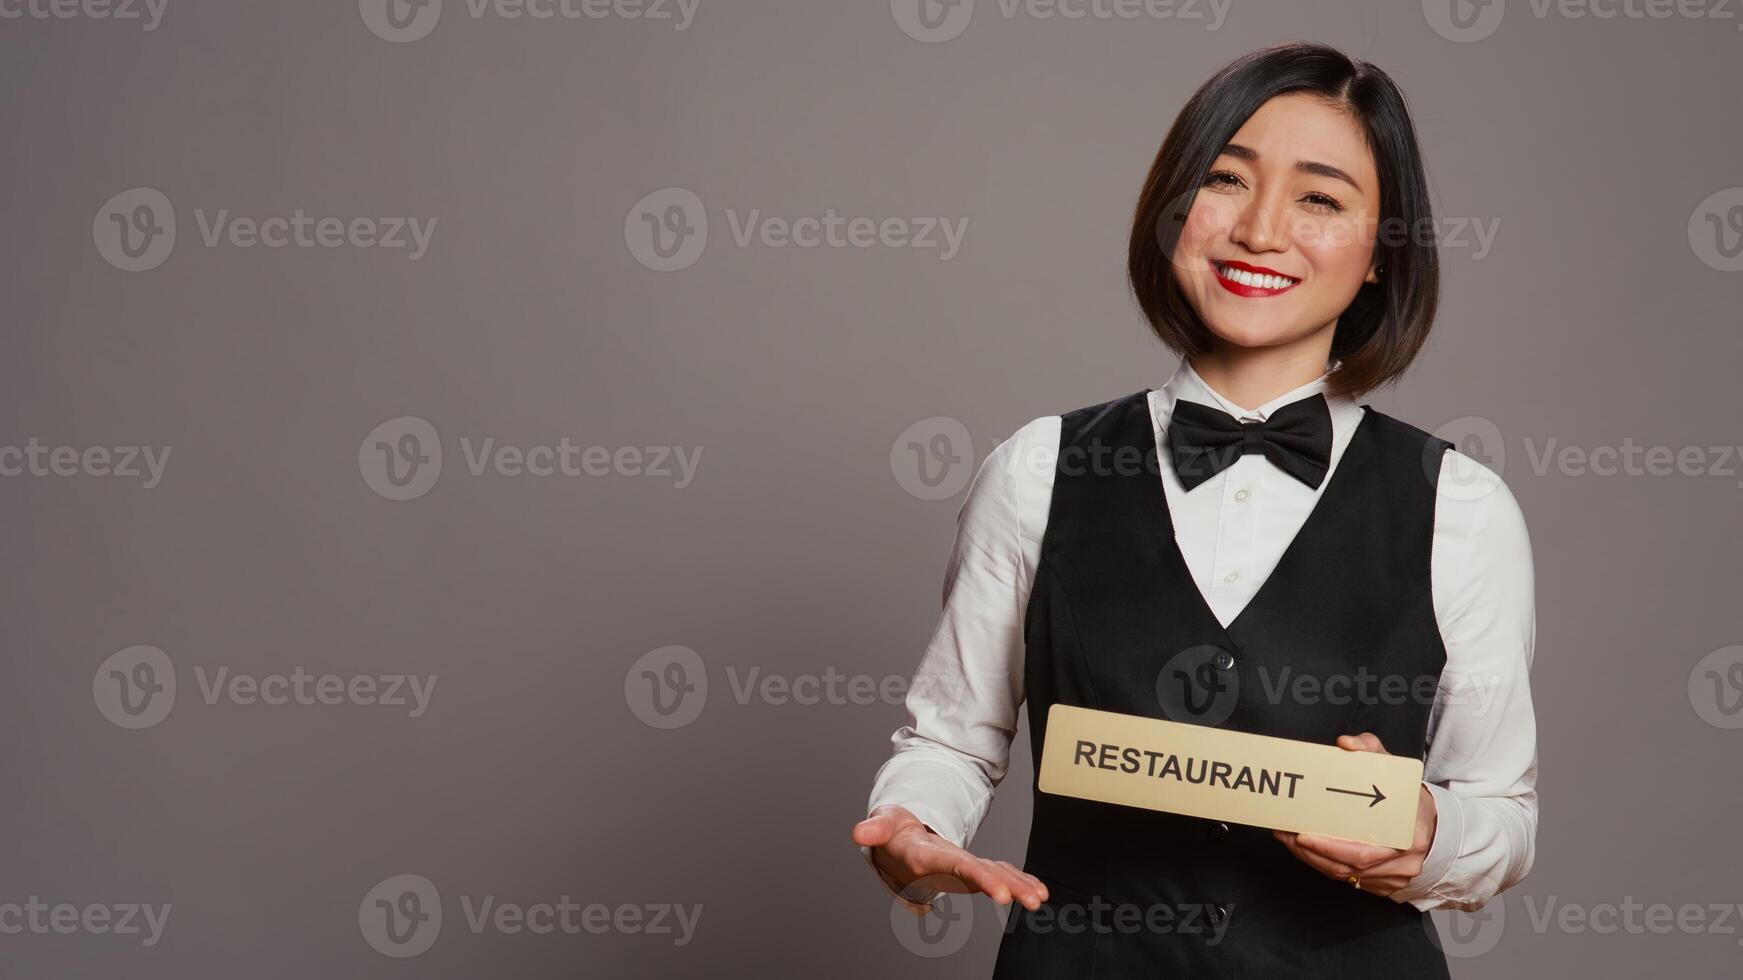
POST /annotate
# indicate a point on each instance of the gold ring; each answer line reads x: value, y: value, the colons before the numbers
x: 1354, y: 881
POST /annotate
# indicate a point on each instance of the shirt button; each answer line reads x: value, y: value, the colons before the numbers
x: 1242, y: 494
x: 1218, y: 914
x: 1230, y: 577
x: 1220, y: 831
x: 1224, y: 660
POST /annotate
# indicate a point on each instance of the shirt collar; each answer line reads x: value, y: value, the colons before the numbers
x: 1186, y: 383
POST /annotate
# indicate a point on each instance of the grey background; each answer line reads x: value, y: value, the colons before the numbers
x: 1592, y: 320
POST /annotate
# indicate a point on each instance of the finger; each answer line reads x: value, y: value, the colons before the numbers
x: 1404, y: 867
x: 874, y: 831
x: 1382, y: 886
x: 1029, y: 889
x: 883, y: 824
x: 1318, y: 862
x: 986, y: 877
x: 1025, y: 888
x: 1016, y: 886
x: 1352, y: 853
x: 1365, y: 742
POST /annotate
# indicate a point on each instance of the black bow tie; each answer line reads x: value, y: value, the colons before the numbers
x: 1297, y: 438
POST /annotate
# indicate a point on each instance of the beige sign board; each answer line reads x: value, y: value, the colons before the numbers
x: 1233, y: 776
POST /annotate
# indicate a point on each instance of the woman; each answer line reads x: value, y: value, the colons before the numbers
x: 1285, y: 561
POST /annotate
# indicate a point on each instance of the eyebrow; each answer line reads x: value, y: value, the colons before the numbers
x: 1249, y: 154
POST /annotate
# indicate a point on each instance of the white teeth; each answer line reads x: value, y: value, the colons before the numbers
x: 1255, y: 280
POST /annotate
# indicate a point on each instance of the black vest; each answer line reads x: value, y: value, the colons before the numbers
x: 1115, y: 622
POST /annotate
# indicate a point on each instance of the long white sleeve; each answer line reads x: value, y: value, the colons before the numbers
x: 962, y: 707
x: 1481, y: 765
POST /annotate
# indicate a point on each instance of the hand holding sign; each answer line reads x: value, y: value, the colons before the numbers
x: 909, y: 852
x: 1377, y: 869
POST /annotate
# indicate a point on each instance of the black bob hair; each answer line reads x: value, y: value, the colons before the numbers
x: 1384, y: 327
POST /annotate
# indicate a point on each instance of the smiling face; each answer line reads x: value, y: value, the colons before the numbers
x: 1281, y: 236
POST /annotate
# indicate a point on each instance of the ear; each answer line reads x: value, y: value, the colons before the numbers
x: 1373, y: 275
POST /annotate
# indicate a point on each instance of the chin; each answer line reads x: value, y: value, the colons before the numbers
x: 1241, y: 334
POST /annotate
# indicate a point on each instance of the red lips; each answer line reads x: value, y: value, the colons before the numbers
x: 1243, y: 289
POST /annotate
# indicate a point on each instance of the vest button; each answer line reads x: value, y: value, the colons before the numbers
x: 1220, y: 831
x: 1218, y: 915
x: 1224, y: 660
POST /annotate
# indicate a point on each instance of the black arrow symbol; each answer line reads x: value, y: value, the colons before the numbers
x: 1376, y: 794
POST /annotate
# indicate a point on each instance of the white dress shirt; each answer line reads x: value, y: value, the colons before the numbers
x: 1481, y: 765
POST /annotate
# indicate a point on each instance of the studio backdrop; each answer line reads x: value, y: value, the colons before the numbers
x: 476, y: 476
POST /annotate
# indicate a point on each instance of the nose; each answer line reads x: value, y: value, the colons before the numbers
x: 1260, y: 226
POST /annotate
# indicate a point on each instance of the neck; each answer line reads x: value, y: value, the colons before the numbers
x: 1252, y: 376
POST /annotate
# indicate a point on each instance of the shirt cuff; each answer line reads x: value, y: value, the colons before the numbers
x: 916, y: 900
x: 1449, y: 835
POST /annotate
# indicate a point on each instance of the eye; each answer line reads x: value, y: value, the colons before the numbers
x: 1222, y: 178
x: 1324, y: 202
